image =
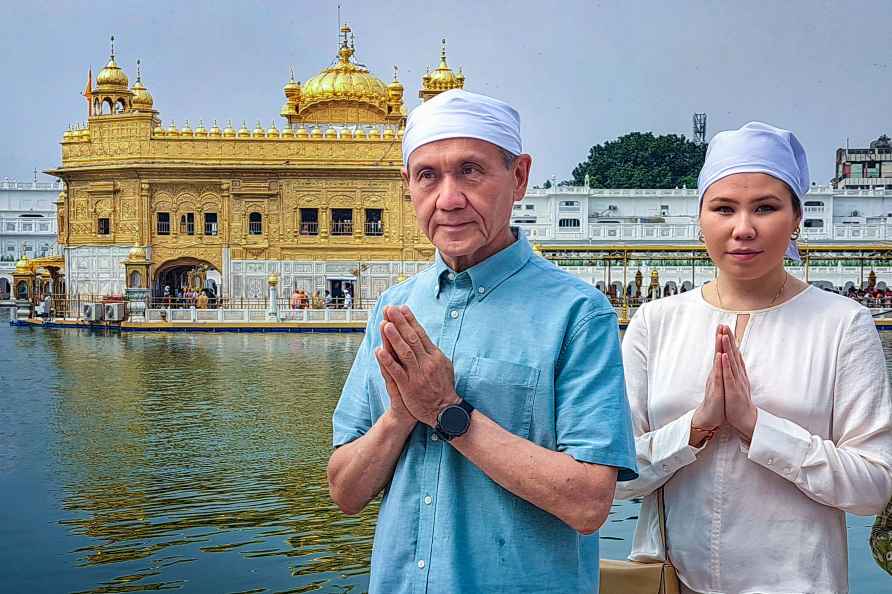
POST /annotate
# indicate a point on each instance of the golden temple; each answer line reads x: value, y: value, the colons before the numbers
x: 318, y: 199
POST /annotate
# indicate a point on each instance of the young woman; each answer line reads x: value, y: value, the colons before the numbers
x: 761, y: 404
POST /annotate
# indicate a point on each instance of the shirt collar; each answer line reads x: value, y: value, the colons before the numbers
x: 490, y: 273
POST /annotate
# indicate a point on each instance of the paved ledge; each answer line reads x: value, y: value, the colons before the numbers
x: 198, y: 326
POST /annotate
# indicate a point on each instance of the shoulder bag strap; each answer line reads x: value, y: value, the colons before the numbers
x: 661, y: 508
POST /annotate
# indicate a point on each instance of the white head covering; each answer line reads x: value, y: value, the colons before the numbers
x: 460, y: 114
x: 757, y: 148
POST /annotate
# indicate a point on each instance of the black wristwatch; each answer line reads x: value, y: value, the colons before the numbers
x: 454, y: 420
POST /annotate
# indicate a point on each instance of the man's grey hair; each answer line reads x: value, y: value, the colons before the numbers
x: 508, y: 157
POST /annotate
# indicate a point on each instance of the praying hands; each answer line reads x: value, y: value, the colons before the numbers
x: 727, y: 400
x: 418, y: 376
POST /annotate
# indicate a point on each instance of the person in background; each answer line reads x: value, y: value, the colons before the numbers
x: 201, y: 302
x: 775, y: 418
x: 295, y: 298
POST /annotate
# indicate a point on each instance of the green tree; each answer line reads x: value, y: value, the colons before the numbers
x: 642, y: 160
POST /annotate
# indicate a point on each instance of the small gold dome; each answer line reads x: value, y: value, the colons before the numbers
x: 112, y: 76
x: 136, y: 254
x: 158, y: 131
x: 359, y: 134
x: 301, y: 132
x: 375, y: 133
x: 316, y: 133
x: 214, y: 132
x: 273, y: 132
x: 22, y: 267
x: 187, y: 129
x: 273, y: 279
x: 443, y: 78
x: 388, y: 133
x: 229, y: 131
x: 331, y: 133
x: 200, y: 131
x: 172, y: 129
x: 287, y: 132
x: 142, y: 99
x: 258, y: 131
x: 395, y: 88
x: 292, y: 87
x: 243, y: 132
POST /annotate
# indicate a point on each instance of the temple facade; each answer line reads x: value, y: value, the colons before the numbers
x: 316, y: 199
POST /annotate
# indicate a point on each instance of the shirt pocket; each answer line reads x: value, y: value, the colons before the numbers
x: 503, y: 391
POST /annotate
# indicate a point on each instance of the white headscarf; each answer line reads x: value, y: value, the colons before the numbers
x: 460, y: 114
x: 757, y: 148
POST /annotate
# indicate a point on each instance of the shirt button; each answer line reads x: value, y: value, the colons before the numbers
x: 450, y: 276
x: 435, y: 437
x: 421, y: 564
x: 428, y: 500
x: 481, y: 290
x: 453, y: 314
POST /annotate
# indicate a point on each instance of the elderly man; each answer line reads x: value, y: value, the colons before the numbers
x: 487, y: 398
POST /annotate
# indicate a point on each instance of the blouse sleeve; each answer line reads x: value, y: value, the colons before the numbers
x: 852, y: 471
x: 660, y: 452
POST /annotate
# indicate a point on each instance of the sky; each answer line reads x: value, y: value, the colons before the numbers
x: 580, y: 73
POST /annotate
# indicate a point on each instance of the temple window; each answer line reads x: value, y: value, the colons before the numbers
x: 374, y: 222
x: 255, y: 223
x: 163, y: 225
x: 210, y: 223
x: 309, y: 221
x: 103, y: 227
x: 342, y: 221
x: 187, y: 224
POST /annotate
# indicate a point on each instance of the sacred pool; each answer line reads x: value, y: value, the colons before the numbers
x: 137, y: 462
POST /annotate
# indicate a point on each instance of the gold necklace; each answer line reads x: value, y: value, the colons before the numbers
x: 778, y: 294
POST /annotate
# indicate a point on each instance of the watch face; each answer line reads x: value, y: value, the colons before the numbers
x: 454, y: 420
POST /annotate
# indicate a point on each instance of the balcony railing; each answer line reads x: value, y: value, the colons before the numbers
x: 255, y: 228
x: 374, y: 229
x: 342, y: 228
x: 210, y: 228
x: 163, y: 227
x: 309, y: 228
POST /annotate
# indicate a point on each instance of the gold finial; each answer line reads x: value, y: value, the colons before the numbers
x: 352, y: 41
x: 443, y: 54
x: 138, y: 71
x: 396, y: 73
x: 112, y: 47
x: 291, y: 70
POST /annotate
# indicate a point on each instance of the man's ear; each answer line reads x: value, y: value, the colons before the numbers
x: 521, y: 174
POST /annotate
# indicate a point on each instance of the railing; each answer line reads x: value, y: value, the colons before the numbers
x: 210, y: 228
x: 45, y: 226
x: 187, y: 228
x: 8, y: 184
x: 342, y: 228
x: 374, y: 229
x: 163, y: 228
x: 309, y: 228
x: 255, y: 228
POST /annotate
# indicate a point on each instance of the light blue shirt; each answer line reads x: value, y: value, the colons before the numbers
x: 537, y: 351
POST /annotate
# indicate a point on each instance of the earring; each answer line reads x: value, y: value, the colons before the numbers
x: 700, y: 236
x: 795, y: 235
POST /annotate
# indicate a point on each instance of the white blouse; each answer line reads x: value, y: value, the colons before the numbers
x: 767, y: 518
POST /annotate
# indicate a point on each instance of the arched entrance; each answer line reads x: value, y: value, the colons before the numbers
x: 5, y: 288
x: 178, y: 279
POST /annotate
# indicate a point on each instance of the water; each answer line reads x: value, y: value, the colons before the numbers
x: 196, y: 463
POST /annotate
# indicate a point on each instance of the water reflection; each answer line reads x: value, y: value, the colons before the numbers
x: 175, y: 447
x: 192, y: 463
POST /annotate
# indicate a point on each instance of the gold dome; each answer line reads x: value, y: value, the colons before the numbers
x: 443, y: 78
x: 345, y: 81
x: 229, y: 131
x: 112, y: 76
x: 22, y: 266
x: 201, y: 131
x: 273, y: 279
x: 136, y: 254
x: 142, y: 99
x: 301, y: 132
x: 214, y: 132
